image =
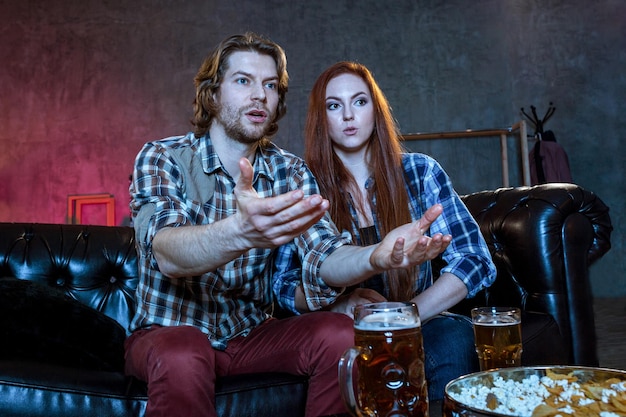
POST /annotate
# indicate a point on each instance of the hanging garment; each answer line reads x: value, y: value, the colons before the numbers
x: 554, y: 166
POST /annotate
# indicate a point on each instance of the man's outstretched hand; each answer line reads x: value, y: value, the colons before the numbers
x: 273, y: 221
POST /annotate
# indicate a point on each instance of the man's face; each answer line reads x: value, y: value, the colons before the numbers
x: 248, y: 96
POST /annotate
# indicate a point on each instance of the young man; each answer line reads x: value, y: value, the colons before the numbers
x: 210, y: 208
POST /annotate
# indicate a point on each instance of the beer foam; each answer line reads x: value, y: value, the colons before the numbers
x: 388, y: 320
x: 496, y: 323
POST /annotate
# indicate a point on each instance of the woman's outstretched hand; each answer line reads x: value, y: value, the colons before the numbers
x: 407, y: 246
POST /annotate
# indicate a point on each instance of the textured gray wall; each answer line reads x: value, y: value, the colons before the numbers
x: 83, y: 83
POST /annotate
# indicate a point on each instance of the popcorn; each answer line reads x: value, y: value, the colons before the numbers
x: 553, y: 395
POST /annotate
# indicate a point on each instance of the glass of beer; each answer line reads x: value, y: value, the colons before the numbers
x: 498, y: 336
x: 383, y: 374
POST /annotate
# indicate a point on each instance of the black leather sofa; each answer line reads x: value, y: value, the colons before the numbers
x: 67, y: 295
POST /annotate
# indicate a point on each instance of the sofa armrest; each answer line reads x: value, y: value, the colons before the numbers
x: 543, y: 240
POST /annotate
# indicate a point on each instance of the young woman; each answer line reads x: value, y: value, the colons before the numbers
x: 352, y: 145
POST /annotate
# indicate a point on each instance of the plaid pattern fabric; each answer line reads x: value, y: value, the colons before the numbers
x: 236, y: 297
x: 467, y: 256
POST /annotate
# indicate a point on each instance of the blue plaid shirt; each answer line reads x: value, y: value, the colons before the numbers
x: 426, y: 182
x: 236, y: 297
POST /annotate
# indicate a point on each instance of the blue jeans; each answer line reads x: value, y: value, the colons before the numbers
x: 448, y: 351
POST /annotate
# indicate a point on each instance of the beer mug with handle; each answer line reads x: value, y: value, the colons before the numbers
x: 383, y: 374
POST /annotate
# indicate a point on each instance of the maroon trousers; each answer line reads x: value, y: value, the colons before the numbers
x: 180, y: 365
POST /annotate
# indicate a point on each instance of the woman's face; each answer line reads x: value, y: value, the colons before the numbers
x: 350, y: 113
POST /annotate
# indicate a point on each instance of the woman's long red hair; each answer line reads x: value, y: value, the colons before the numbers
x: 385, y: 162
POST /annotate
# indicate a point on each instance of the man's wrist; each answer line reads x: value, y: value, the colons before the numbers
x: 230, y: 234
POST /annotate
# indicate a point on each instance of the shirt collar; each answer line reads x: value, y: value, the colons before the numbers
x: 211, y: 161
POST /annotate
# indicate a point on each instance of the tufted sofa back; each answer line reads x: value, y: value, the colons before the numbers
x: 96, y: 265
x: 543, y: 240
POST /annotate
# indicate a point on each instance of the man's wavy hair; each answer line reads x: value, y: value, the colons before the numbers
x: 211, y: 73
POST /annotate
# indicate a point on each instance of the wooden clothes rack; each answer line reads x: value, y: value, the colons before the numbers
x: 518, y: 129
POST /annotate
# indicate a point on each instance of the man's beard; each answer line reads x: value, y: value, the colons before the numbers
x: 230, y: 117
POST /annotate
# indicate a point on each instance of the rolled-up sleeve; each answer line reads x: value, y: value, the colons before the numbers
x: 298, y: 262
x: 286, y: 277
x: 467, y: 256
x: 156, y: 197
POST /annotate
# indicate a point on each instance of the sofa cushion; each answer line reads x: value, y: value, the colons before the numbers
x: 42, y: 323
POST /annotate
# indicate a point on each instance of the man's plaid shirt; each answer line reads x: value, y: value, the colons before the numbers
x: 236, y: 297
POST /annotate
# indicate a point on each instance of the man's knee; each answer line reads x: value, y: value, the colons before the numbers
x: 181, y: 350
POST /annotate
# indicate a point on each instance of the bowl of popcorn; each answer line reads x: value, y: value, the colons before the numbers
x: 550, y: 391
